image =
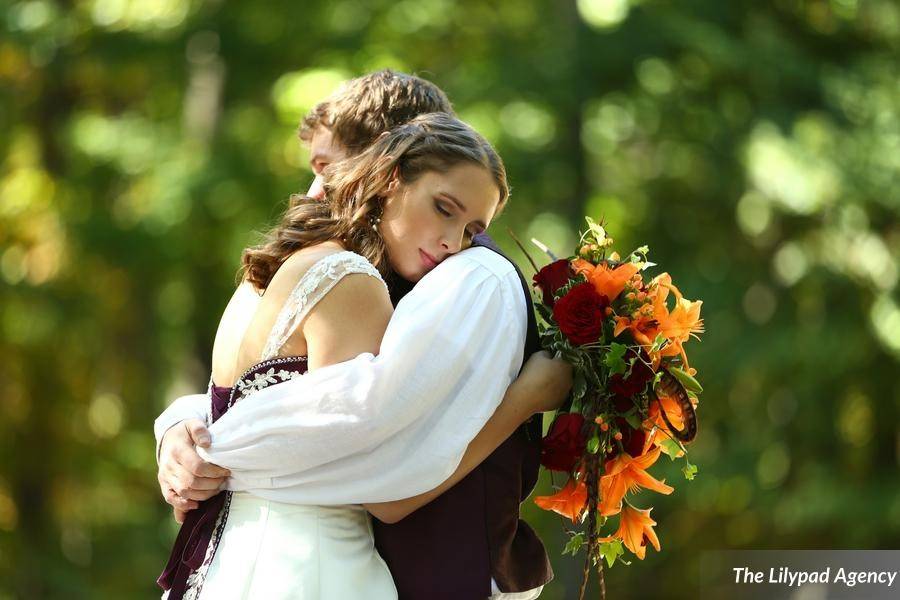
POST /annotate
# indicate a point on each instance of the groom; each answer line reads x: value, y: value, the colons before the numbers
x: 468, y: 542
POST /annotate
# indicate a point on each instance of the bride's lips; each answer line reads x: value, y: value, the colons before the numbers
x: 428, y: 260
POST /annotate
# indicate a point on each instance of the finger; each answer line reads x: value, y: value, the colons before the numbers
x: 173, y: 476
x: 198, y: 432
x: 200, y: 495
x: 180, y: 515
x: 183, y: 482
x: 196, y: 488
x: 200, y: 468
x: 163, y: 486
x: 179, y: 503
x: 183, y: 479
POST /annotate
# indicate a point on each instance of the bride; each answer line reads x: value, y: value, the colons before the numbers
x: 317, y: 297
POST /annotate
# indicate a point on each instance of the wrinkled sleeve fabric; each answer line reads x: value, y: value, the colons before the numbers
x: 386, y: 427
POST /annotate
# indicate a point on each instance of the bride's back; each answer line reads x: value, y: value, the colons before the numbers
x: 348, y: 320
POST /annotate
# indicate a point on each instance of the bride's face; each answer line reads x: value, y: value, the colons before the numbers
x: 436, y: 215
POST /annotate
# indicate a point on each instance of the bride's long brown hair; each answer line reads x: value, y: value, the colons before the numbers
x: 355, y: 189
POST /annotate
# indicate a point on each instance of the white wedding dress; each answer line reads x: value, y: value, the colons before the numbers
x: 275, y: 550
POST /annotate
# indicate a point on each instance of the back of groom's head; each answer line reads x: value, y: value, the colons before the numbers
x: 365, y: 107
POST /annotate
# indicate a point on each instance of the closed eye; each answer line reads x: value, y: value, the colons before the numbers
x: 442, y: 210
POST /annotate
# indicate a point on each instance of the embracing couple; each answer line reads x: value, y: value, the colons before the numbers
x: 373, y: 417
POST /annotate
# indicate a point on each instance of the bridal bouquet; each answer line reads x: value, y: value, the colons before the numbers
x: 634, y: 393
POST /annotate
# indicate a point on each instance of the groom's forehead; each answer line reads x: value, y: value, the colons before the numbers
x: 325, y: 146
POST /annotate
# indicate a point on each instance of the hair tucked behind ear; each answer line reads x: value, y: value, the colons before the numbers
x: 355, y: 189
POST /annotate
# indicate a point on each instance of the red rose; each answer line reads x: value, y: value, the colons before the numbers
x: 552, y: 277
x: 580, y: 314
x: 641, y: 373
x: 632, y: 440
x: 564, y: 443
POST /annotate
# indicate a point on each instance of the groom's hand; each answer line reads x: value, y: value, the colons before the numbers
x: 184, y: 477
x: 546, y: 382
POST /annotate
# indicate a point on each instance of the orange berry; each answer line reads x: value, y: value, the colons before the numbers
x: 608, y: 310
x: 599, y: 419
x: 618, y: 435
x: 604, y: 426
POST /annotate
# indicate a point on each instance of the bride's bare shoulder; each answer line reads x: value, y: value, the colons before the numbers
x: 297, y: 264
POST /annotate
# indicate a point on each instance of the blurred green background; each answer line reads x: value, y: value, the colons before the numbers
x: 755, y: 146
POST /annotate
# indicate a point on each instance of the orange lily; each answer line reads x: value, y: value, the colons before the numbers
x: 643, y: 328
x: 679, y: 324
x: 611, y: 281
x: 624, y: 473
x: 569, y: 501
x: 654, y: 419
x: 635, y: 529
x: 582, y: 267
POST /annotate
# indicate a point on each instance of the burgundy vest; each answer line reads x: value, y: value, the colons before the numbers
x: 450, y: 548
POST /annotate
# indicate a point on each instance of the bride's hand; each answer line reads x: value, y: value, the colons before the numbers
x: 544, y: 382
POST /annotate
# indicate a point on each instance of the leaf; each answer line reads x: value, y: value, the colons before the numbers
x: 577, y: 405
x: 634, y: 421
x: 611, y: 550
x: 689, y: 383
x: 658, y: 343
x: 689, y: 470
x: 593, y: 444
x: 574, y: 544
x: 593, y: 378
x: 545, y: 312
x: 670, y: 447
x: 613, y: 358
x: 579, y: 385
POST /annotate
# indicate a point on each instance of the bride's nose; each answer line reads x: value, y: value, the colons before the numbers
x: 452, y: 241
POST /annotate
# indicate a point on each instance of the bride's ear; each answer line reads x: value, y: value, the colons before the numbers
x: 393, y: 181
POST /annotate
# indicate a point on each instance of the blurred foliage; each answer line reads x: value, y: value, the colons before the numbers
x: 754, y: 145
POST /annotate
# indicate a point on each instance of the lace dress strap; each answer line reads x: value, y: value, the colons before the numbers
x: 318, y: 280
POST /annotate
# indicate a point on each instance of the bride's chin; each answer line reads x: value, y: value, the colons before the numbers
x: 406, y: 273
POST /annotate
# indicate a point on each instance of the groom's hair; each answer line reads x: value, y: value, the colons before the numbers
x: 365, y: 107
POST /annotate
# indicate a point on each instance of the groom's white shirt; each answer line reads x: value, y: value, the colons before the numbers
x: 378, y: 428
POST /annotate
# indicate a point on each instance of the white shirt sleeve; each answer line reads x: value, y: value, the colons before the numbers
x: 378, y: 428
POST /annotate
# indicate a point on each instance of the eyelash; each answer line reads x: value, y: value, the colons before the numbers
x: 469, y: 235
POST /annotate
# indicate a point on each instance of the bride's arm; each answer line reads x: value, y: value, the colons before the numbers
x: 542, y: 386
x: 350, y: 320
